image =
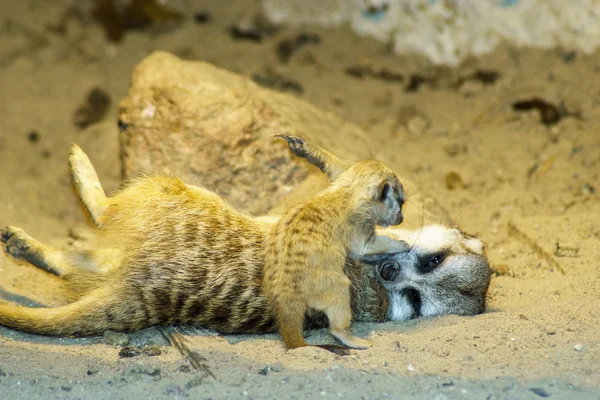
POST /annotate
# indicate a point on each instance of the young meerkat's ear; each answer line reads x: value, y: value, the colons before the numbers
x: 383, y: 191
x: 322, y: 159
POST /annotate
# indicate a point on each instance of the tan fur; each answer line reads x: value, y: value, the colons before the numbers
x: 170, y: 253
x: 175, y: 253
x: 304, y: 265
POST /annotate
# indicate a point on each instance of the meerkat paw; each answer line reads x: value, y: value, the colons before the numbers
x: 350, y: 341
x: 15, y: 240
x: 296, y: 144
x: 399, y: 246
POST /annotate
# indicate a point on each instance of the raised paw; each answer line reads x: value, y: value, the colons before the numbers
x: 296, y: 144
x: 15, y: 240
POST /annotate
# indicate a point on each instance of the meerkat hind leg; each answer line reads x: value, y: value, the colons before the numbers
x: 290, y: 319
x: 57, y: 262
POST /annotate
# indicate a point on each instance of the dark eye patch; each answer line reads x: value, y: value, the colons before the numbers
x: 430, y: 261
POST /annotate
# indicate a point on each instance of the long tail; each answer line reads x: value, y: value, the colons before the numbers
x: 91, y: 315
x: 87, y: 184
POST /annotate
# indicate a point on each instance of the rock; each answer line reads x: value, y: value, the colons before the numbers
x: 116, y: 338
x: 93, y: 109
x: 276, y: 367
x: 150, y: 351
x: 540, y: 392
x: 265, y: 370
x: 143, y: 370
x: 413, y: 120
x: 174, y: 390
x: 454, y: 181
x: 213, y: 128
x: 195, y: 381
x: 578, y: 347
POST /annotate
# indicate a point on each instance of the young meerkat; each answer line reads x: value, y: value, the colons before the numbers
x: 307, y: 250
x: 172, y: 253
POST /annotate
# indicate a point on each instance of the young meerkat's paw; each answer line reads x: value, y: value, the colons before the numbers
x: 398, y: 246
x: 15, y: 240
x: 295, y: 143
x: 350, y: 341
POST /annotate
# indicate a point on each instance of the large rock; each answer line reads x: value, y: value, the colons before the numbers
x: 213, y: 128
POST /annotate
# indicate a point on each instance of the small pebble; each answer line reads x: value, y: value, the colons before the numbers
x: 174, y: 390
x: 202, y: 17
x: 93, y: 109
x: 276, y: 367
x: 33, y: 136
x: 454, y: 181
x: 116, y: 338
x: 578, y: 347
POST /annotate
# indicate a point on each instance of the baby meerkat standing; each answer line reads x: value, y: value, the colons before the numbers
x: 304, y: 267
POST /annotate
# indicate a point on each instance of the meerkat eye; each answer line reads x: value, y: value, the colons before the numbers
x: 432, y: 263
x: 387, y: 271
x: 435, y: 261
x: 384, y: 190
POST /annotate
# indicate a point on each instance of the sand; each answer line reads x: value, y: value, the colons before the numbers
x: 518, y: 183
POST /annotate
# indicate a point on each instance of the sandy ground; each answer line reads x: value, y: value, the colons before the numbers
x: 521, y: 185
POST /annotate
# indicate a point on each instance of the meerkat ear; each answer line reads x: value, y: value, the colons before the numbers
x: 383, y: 191
x: 472, y: 243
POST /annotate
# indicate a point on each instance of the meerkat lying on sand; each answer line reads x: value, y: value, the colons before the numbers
x: 173, y: 253
x: 308, y: 246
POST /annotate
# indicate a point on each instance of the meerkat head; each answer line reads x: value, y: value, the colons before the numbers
x: 444, y: 272
x: 375, y: 185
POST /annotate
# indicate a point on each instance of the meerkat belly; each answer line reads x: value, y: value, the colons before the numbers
x: 203, y: 290
x: 201, y: 267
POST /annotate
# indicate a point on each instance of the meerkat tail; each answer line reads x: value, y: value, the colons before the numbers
x: 92, y: 314
x: 87, y: 184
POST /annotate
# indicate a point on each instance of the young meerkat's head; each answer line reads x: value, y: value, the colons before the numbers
x: 378, y: 188
x: 373, y: 184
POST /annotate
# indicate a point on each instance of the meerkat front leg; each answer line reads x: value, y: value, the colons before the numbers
x: 376, y: 245
x: 324, y: 160
x: 339, y: 314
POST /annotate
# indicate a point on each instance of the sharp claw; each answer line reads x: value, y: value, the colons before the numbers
x: 296, y: 140
x: 295, y: 143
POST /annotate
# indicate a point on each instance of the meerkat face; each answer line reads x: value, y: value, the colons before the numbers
x: 444, y: 272
x: 389, y: 200
x: 376, y: 188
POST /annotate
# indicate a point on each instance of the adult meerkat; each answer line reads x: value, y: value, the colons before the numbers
x: 176, y: 253
x: 308, y: 246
